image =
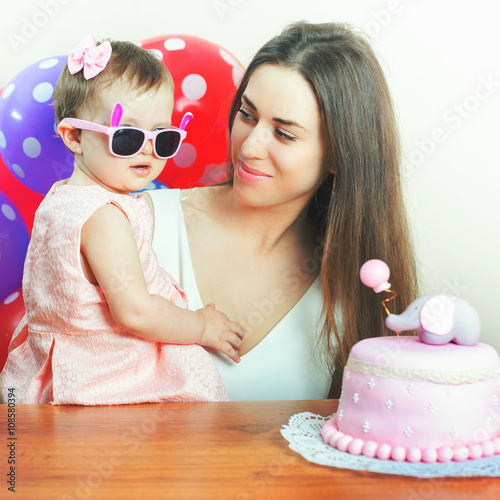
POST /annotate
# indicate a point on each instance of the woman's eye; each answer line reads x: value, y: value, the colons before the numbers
x: 284, y: 136
x: 244, y: 115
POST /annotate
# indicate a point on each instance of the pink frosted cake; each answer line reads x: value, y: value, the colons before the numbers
x: 413, y: 401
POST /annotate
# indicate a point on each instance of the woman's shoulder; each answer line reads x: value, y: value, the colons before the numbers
x: 172, y: 207
x: 163, y: 204
x: 158, y: 196
x: 170, y: 195
x: 190, y: 201
x: 202, y: 197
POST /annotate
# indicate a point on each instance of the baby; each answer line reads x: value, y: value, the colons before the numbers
x: 104, y: 323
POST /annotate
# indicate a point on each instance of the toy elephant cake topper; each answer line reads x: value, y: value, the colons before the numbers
x: 438, y: 319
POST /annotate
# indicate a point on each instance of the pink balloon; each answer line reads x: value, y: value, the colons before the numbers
x: 375, y: 274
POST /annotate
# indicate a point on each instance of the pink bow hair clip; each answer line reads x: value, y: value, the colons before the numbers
x: 91, y: 58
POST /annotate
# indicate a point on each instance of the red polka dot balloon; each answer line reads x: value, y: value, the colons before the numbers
x: 11, y: 312
x: 25, y: 199
x: 206, y: 77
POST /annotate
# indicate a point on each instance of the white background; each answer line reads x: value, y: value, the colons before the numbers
x: 438, y: 57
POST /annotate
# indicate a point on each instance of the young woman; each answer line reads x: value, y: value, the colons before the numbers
x: 313, y: 192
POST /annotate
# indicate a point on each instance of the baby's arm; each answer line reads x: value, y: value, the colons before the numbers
x: 109, y: 247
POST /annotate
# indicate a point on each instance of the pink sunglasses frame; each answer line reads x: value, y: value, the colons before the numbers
x: 115, y: 120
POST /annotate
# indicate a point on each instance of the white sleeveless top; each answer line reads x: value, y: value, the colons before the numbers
x: 283, y: 366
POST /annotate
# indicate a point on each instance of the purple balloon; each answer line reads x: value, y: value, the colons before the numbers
x: 28, y: 142
x: 14, y: 240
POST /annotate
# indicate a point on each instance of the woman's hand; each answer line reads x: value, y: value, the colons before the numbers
x: 220, y: 332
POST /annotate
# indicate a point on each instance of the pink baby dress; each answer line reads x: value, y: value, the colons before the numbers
x: 68, y: 349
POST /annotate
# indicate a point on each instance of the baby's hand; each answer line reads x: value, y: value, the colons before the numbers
x: 221, y: 333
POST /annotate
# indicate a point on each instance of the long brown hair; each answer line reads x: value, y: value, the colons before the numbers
x: 359, y: 208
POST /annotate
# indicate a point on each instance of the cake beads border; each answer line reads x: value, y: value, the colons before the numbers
x: 370, y: 449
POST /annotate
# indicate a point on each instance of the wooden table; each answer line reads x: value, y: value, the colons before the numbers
x: 190, y: 451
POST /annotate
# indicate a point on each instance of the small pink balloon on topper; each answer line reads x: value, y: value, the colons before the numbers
x: 375, y: 274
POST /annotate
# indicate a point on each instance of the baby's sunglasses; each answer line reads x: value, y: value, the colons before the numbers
x: 125, y: 142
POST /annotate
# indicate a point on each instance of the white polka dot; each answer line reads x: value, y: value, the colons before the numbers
x: 164, y: 187
x: 194, y: 86
x: 31, y: 147
x: 238, y: 73
x: 174, y: 44
x: 157, y: 53
x: 43, y: 92
x: 11, y: 298
x: 228, y: 58
x: 48, y: 63
x: 3, y: 141
x: 8, y: 211
x: 186, y: 155
x: 8, y: 90
x: 18, y: 170
x: 151, y: 185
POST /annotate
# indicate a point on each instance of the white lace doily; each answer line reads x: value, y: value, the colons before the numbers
x: 303, y: 434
